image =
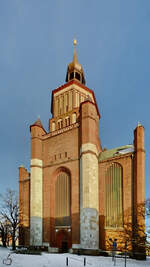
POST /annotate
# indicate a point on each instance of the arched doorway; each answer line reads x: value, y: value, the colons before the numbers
x: 63, y: 240
x: 63, y: 236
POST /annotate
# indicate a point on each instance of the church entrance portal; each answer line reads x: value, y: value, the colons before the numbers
x: 63, y: 240
x: 64, y: 246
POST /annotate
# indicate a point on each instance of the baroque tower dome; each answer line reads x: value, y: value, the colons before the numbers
x: 75, y: 70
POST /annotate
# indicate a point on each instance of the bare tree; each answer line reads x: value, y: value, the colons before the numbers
x: 135, y: 234
x: 3, y: 232
x: 137, y: 231
x: 9, y: 212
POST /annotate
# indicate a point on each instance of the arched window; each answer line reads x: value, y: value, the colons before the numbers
x: 53, y: 126
x: 62, y: 200
x: 74, y: 117
x: 113, y: 196
x: 71, y: 75
x: 77, y: 76
x: 60, y: 124
x: 67, y: 121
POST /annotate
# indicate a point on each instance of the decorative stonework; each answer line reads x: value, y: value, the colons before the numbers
x: 89, y: 198
x: 89, y: 147
x: 89, y: 181
x: 65, y: 129
x: 37, y: 162
x: 89, y: 228
x: 36, y: 231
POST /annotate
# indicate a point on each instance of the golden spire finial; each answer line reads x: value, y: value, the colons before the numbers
x: 75, y: 53
x: 75, y: 69
x: 74, y: 42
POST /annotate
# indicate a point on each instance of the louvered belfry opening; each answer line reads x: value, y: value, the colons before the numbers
x: 62, y: 193
x: 114, y: 196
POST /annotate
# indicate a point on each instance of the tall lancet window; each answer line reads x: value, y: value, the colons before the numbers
x: 62, y: 201
x: 114, y: 196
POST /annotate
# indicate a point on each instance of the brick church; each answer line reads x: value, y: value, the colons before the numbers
x: 77, y: 195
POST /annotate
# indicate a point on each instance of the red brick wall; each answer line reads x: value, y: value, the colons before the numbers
x: 55, y: 159
x: 126, y: 163
x: 24, y: 206
x: 89, y: 120
x: 139, y: 190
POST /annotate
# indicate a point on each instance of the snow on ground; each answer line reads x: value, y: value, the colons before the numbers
x: 59, y: 260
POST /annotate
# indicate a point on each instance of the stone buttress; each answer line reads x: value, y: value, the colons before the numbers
x: 36, y: 198
x: 89, y: 187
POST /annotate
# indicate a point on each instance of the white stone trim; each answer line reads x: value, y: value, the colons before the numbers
x: 89, y: 196
x: 36, y: 205
x: 77, y: 246
x: 89, y: 147
x: 35, y: 231
x: 37, y: 162
x: 89, y: 228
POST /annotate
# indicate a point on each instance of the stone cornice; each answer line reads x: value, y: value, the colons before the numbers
x: 116, y: 157
x: 63, y: 130
x: 37, y: 166
x: 88, y: 152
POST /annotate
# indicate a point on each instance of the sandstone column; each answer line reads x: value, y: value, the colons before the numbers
x: 89, y: 185
x: 36, y: 212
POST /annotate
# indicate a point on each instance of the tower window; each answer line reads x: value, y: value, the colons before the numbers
x: 62, y: 199
x: 67, y: 121
x: 71, y: 75
x: 60, y: 124
x: 53, y: 126
x: 77, y: 76
x: 74, y: 118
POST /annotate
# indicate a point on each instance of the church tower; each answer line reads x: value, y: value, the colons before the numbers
x: 76, y: 195
x: 74, y: 105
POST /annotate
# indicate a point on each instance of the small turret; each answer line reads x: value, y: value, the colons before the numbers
x: 37, y: 128
x: 139, y: 164
x: 139, y: 192
x: 37, y: 131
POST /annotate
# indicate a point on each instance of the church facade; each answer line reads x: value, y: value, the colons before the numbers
x: 77, y: 195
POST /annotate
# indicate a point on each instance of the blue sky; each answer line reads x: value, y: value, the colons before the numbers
x: 35, y: 47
